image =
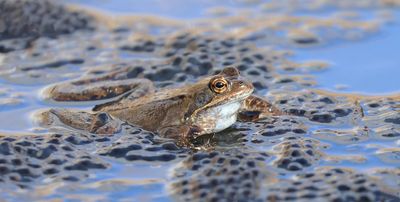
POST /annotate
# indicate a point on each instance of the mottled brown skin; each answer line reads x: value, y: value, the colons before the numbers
x: 207, y: 106
x: 190, y: 110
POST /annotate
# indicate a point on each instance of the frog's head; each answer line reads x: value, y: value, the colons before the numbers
x: 228, y: 86
x: 219, y: 100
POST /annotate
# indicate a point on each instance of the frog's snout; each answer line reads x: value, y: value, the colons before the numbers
x: 246, y: 85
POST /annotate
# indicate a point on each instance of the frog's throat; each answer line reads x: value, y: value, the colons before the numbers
x: 239, y: 99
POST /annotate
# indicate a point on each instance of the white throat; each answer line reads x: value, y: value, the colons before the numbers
x: 226, y: 115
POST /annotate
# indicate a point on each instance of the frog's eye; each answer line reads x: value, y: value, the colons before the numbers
x: 219, y: 85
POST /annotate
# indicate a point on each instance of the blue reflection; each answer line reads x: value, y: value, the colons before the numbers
x: 370, y: 66
x: 170, y: 8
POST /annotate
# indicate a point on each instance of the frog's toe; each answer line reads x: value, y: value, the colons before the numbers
x: 103, y: 123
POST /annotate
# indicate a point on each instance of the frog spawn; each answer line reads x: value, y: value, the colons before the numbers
x: 382, y: 117
x: 292, y: 154
x: 118, y: 140
x: 331, y: 184
x: 191, y: 57
x: 65, y: 154
x: 133, y: 148
x: 143, y: 146
x: 134, y: 144
x: 363, y: 117
x: 50, y: 20
x: 318, y: 108
x: 53, y: 157
x: 139, y: 145
x: 295, y: 154
x: 183, y: 58
x: 230, y: 175
x: 282, y: 126
x: 220, y: 176
x: 390, y: 177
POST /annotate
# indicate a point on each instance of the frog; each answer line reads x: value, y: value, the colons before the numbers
x: 208, y: 106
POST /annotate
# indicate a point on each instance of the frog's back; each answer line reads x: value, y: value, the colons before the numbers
x: 151, y: 112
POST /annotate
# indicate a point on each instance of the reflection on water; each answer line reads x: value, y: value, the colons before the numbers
x: 340, y: 142
x: 173, y: 9
x: 369, y: 66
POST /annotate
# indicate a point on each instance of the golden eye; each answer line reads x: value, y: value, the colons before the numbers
x: 219, y: 85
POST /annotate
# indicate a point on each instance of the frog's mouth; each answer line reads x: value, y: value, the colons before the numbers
x: 238, y: 97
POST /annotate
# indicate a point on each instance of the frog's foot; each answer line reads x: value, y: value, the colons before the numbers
x: 255, y: 108
x: 99, y: 123
x: 103, y: 123
x: 183, y: 135
x: 99, y: 86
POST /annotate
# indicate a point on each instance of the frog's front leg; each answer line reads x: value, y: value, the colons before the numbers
x: 255, y: 108
x: 183, y: 134
x: 98, y: 87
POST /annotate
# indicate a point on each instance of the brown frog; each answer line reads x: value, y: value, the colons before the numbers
x: 208, y: 106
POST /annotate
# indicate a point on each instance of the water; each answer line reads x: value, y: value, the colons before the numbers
x: 171, y: 9
x: 367, y: 66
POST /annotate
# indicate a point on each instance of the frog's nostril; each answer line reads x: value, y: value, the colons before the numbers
x: 241, y: 83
